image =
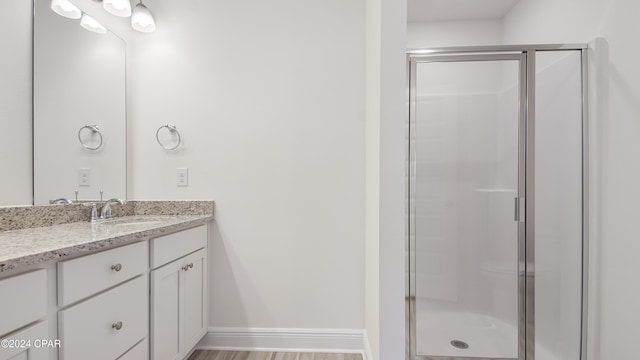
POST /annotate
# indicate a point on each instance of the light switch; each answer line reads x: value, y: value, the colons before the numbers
x: 84, y: 177
x: 183, y: 176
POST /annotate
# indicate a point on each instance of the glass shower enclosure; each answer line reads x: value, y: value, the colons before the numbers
x: 496, y: 203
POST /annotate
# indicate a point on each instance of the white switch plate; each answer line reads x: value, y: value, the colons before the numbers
x: 183, y: 176
x: 84, y: 177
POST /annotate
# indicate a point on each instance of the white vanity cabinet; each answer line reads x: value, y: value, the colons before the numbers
x: 178, y: 293
x: 23, y: 301
x: 144, y: 300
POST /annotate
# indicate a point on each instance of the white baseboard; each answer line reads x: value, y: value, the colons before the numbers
x: 285, y: 340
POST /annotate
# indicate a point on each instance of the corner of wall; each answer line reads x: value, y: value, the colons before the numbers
x: 366, y: 352
x: 598, y: 58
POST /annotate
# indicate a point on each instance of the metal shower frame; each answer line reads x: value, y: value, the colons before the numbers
x: 526, y: 55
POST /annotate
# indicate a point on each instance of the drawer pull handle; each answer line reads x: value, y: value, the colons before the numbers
x: 116, y: 267
x: 117, y: 325
x: 191, y: 266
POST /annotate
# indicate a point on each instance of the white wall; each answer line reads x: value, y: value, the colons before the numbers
x: 268, y: 97
x: 453, y: 33
x: 385, y: 154
x: 15, y: 103
x: 615, y: 160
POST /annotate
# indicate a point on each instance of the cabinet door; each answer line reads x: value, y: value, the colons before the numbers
x: 35, y: 335
x: 165, y: 311
x: 178, y: 306
x: 195, y: 298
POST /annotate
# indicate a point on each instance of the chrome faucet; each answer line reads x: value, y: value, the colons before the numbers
x: 61, y: 201
x: 105, y: 213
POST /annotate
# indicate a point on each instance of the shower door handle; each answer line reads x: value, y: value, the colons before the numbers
x: 519, y: 209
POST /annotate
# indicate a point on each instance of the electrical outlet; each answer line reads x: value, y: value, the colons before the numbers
x: 183, y: 176
x: 84, y: 177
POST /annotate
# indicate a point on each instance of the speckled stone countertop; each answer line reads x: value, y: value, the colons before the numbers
x: 24, y: 217
x: 28, y: 247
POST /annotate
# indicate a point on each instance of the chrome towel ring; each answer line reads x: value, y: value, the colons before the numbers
x: 172, y: 129
x: 94, y: 129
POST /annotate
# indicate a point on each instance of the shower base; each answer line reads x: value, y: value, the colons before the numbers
x: 439, y: 328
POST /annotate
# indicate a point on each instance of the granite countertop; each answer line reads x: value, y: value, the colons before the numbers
x: 25, y: 248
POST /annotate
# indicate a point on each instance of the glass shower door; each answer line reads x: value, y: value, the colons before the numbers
x: 467, y: 159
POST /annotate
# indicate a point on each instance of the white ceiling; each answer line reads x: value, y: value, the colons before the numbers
x: 446, y: 10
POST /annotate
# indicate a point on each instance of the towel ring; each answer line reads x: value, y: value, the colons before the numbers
x: 96, y: 130
x: 171, y: 128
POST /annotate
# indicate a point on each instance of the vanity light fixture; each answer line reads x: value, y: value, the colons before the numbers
x: 66, y: 9
x: 142, y: 20
x: 120, y: 8
x: 92, y: 24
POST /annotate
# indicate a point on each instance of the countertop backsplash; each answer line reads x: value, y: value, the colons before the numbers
x: 24, y: 217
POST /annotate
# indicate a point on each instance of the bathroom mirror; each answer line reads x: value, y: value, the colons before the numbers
x: 15, y: 103
x: 79, y: 107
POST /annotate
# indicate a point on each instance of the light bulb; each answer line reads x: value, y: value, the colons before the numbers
x: 66, y: 9
x: 92, y: 24
x: 142, y: 20
x: 120, y: 8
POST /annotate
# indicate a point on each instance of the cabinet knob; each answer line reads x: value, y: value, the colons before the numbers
x: 116, y: 267
x: 191, y: 266
x: 117, y: 325
x: 186, y: 267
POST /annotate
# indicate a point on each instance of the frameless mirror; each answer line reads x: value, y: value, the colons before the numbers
x: 15, y: 103
x: 79, y: 106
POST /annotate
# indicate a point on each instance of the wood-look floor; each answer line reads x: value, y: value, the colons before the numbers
x: 254, y: 355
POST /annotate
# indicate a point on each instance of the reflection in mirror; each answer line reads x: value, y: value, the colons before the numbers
x: 79, y: 108
x: 15, y: 103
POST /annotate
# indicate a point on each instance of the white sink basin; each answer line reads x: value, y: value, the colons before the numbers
x: 131, y: 221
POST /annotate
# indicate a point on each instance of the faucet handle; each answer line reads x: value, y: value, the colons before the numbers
x: 94, y: 211
x: 117, y: 201
x: 61, y: 201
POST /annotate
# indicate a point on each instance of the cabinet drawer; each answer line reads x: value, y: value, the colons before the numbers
x: 139, y: 352
x: 29, y: 343
x: 85, y: 276
x: 23, y: 300
x: 170, y: 247
x: 89, y: 330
